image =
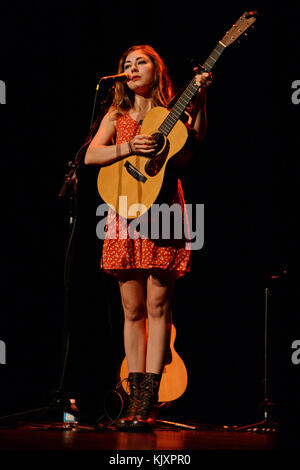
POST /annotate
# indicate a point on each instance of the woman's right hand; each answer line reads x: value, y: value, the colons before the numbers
x: 143, y: 145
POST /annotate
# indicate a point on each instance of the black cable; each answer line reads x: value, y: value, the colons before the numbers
x: 106, y: 413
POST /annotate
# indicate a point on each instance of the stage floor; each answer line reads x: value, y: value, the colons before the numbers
x: 50, y: 436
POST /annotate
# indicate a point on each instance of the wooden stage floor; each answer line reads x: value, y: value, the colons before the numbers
x: 50, y: 436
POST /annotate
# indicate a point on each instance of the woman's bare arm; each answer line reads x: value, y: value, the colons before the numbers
x: 101, y: 152
x: 199, y: 119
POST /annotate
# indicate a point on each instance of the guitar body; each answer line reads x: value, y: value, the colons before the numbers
x: 174, y: 378
x: 115, y: 180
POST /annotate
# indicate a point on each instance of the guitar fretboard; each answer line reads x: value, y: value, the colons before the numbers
x: 188, y: 94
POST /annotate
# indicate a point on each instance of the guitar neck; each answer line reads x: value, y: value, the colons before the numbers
x: 190, y: 91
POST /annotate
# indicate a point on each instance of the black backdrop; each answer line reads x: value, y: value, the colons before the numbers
x: 52, y: 56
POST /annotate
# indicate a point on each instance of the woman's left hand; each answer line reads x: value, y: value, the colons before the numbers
x: 203, y: 80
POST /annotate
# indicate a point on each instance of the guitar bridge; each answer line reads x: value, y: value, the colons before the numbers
x: 135, y: 173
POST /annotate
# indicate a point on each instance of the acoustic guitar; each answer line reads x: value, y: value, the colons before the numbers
x: 174, y: 377
x: 130, y: 186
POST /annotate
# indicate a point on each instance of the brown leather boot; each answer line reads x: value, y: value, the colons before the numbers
x: 134, y: 379
x: 146, y: 412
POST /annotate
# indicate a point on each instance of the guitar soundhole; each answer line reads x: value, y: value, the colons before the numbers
x: 159, y: 139
x: 155, y: 163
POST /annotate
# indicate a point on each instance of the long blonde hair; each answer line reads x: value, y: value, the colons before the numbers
x: 161, y: 88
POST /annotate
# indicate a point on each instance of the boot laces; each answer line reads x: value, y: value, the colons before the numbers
x: 148, y: 390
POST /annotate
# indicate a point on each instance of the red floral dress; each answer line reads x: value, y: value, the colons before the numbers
x: 124, y: 249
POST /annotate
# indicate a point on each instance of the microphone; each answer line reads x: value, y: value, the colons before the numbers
x: 119, y: 76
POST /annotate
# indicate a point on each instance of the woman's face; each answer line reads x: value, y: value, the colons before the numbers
x: 141, y: 68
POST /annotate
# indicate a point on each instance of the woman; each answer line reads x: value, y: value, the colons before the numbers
x: 146, y: 269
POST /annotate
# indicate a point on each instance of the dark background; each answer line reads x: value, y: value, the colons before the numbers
x: 52, y: 56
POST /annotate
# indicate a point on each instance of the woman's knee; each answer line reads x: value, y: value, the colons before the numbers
x: 134, y: 310
x: 159, y: 295
x: 132, y: 288
x: 157, y: 308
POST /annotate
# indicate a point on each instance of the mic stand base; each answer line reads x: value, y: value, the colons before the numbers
x: 266, y: 425
x: 263, y: 426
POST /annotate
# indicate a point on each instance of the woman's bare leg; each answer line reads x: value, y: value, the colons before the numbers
x: 133, y: 296
x: 160, y: 287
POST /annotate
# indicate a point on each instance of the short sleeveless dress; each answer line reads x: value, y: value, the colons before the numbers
x: 126, y: 250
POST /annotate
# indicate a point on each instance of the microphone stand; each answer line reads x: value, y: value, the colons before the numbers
x: 69, y: 187
x: 266, y: 425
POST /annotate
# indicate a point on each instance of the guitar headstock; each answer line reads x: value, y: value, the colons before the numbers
x: 242, y: 24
